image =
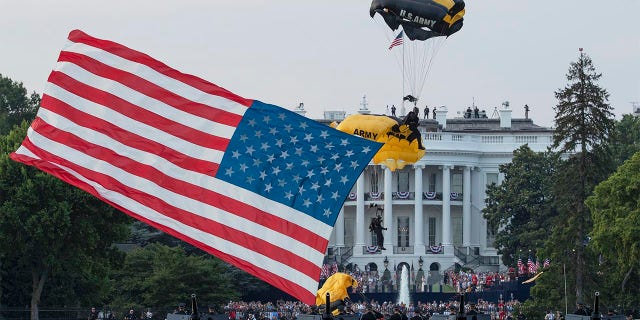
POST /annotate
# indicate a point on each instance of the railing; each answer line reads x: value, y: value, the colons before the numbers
x: 408, y: 195
x: 403, y: 250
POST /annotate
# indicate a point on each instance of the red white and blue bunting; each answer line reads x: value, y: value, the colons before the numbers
x: 430, y: 195
x: 372, y: 249
x: 455, y: 196
x: 352, y: 196
x: 375, y: 195
x: 435, y: 249
x: 403, y: 194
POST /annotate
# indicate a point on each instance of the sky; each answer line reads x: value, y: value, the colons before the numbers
x: 330, y: 54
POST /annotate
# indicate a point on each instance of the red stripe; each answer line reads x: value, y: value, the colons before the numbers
x: 212, y: 227
x: 279, y: 282
x: 180, y: 187
x: 139, y: 57
x: 150, y: 89
x: 127, y: 138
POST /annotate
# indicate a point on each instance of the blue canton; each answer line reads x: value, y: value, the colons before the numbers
x: 294, y: 160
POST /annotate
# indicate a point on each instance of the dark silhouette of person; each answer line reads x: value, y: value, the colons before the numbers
x: 376, y: 227
x: 434, y: 113
x: 393, y: 110
x: 476, y: 112
x: 472, y: 313
x: 412, y: 121
x: 581, y: 310
x: 526, y: 111
x: 93, y: 314
x: 467, y: 113
x: 426, y: 112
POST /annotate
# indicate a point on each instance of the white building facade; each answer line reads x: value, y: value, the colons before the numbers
x: 433, y: 209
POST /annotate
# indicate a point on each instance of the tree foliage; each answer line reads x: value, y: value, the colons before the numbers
x: 584, y: 123
x: 158, y: 275
x: 615, y: 207
x: 15, y: 105
x: 520, y: 207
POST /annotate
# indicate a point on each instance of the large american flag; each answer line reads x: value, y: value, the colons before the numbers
x: 251, y: 183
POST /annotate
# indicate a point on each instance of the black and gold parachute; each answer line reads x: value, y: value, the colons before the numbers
x: 421, y: 19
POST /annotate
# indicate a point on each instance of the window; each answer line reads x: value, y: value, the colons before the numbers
x: 349, y: 230
x: 492, y: 178
x: 403, y: 231
x: 456, y: 182
x: 432, y: 231
x: 432, y: 183
x: 403, y: 181
x: 375, y: 176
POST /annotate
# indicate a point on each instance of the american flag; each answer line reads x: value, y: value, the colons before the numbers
x: 532, y: 266
x: 521, y: 269
x: 397, y: 40
x: 254, y: 184
x: 546, y: 263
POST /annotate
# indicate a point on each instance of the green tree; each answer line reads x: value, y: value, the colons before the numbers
x: 51, y: 231
x: 520, y: 208
x: 15, y: 105
x: 162, y: 276
x: 615, y: 207
x: 625, y: 140
x: 584, y: 122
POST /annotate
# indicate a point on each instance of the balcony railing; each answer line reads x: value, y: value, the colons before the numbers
x: 379, y: 196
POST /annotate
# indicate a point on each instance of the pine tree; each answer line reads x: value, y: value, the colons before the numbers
x: 584, y: 122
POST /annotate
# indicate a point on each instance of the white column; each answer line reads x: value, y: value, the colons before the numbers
x: 360, y: 223
x: 466, y: 207
x: 446, y: 210
x: 339, y: 229
x: 388, y: 210
x: 418, y: 218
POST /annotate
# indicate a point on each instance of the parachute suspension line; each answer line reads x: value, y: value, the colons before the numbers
x: 428, y: 58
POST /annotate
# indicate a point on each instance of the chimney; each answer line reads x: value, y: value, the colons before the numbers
x: 505, y: 115
x: 441, y: 116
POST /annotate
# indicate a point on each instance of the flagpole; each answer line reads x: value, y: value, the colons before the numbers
x: 564, y: 272
x: 403, y: 72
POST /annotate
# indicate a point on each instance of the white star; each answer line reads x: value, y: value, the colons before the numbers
x: 344, y: 179
x: 314, y: 148
x: 335, y: 156
x: 327, y: 212
x: 264, y: 146
x: 235, y: 154
x: 282, y: 182
x: 308, y: 137
x: 338, y: 167
x: 324, y: 134
x: 349, y: 153
x: 315, y: 186
x: 257, y: 162
x: 263, y: 175
x: 320, y: 198
x: 258, y: 134
x: 284, y: 154
x: 288, y: 195
x: 279, y: 143
x: 297, y: 178
x: 306, y: 203
x: 243, y: 137
x: 324, y: 170
x: 299, y: 151
x: 304, y: 125
x: 320, y: 159
x: 310, y: 173
x: 289, y: 166
x: 354, y: 164
x: 243, y: 167
x: 334, y: 195
x: 305, y: 163
x: 288, y: 128
x: 249, y: 150
x: 329, y: 146
x: 366, y: 150
x: 282, y: 116
x: 301, y: 189
x: 273, y: 131
x: 267, y: 187
x: 252, y: 122
x: 293, y: 139
x: 271, y: 157
x: 266, y: 119
x: 276, y: 170
x: 229, y: 172
x: 250, y: 179
x: 344, y: 142
x: 328, y: 183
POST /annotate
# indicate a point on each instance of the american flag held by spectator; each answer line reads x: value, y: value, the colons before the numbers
x: 254, y: 184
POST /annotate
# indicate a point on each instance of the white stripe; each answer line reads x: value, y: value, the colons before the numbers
x: 128, y: 124
x: 144, y: 102
x: 186, y: 203
x: 220, y: 244
x: 149, y: 74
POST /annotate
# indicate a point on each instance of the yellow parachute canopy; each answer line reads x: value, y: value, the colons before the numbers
x: 336, y: 285
x: 401, y: 142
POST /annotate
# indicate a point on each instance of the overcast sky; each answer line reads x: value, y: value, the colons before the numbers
x: 330, y: 53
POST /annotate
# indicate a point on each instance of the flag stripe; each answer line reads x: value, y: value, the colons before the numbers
x: 117, y: 138
x: 169, y: 188
x: 218, y: 227
x: 194, y: 87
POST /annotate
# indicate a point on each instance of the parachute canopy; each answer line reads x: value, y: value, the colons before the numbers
x: 402, y: 140
x: 421, y: 19
x: 336, y: 285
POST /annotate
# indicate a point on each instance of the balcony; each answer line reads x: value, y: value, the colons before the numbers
x: 429, y: 196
